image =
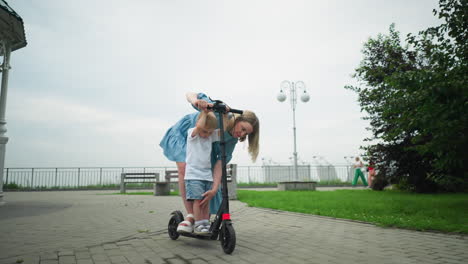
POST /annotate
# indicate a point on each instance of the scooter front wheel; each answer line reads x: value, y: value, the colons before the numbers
x: 175, y: 220
x: 227, y: 237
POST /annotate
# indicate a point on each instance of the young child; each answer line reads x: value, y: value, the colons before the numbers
x: 198, y: 172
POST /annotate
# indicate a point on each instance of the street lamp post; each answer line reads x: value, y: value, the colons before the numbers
x: 293, y: 87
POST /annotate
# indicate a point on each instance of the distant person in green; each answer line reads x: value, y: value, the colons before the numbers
x: 358, y: 167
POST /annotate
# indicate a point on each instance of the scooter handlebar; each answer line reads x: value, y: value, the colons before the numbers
x: 219, y: 106
x: 236, y: 111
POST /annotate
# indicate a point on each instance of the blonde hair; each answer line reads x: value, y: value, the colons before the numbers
x: 253, y: 138
x: 207, y: 120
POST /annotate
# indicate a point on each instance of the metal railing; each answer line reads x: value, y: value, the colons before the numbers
x: 48, y: 178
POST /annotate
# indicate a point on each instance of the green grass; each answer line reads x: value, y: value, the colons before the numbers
x: 441, y: 212
x: 274, y: 184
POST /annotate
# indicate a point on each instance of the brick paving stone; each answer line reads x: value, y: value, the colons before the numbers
x: 49, y: 261
x: 48, y: 256
x: 113, y: 252
x: 427, y: 260
x: 9, y: 260
x: 218, y: 261
x: 96, y: 250
x: 136, y: 260
x: 30, y: 259
x: 84, y: 261
x: 448, y: 261
x: 118, y: 259
x: 175, y: 261
x: 152, y: 257
x: 196, y: 260
x: 157, y: 260
x: 208, y: 257
x: 126, y: 247
x: 82, y: 255
x: 99, y: 257
x: 110, y: 246
x: 67, y: 259
x: 66, y: 253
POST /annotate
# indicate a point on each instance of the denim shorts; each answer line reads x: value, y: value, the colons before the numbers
x: 195, y: 188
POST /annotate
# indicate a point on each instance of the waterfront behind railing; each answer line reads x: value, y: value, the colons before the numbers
x: 80, y: 177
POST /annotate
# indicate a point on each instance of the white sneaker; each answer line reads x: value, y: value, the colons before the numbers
x: 202, y: 230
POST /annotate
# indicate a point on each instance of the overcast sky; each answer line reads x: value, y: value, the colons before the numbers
x: 100, y: 82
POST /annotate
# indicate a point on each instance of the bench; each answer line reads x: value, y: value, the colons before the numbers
x: 137, y: 177
x: 164, y: 187
x: 172, y: 174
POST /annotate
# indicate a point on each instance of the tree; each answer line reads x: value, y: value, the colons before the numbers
x: 416, y: 97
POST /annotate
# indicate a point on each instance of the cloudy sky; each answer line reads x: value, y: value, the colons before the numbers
x: 101, y: 81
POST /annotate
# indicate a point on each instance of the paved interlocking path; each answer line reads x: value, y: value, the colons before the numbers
x: 96, y: 227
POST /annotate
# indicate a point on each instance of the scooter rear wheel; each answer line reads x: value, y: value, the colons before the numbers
x: 227, y: 237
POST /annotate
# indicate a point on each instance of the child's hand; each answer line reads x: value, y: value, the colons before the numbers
x: 202, y: 105
x: 207, y: 196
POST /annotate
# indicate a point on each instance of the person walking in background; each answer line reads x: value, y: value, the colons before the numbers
x: 358, y: 167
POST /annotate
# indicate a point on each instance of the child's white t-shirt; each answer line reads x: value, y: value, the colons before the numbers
x: 198, y: 159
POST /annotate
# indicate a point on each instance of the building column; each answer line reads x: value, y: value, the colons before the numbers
x: 5, y: 67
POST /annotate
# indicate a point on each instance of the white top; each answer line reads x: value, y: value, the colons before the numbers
x: 358, y: 164
x: 198, y: 157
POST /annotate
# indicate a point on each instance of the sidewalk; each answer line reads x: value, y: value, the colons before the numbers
x: 95, y: 227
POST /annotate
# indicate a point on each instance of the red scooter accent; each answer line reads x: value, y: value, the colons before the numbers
x: 226, y: 217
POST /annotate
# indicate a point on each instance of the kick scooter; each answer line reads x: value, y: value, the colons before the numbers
x: 222, y: 225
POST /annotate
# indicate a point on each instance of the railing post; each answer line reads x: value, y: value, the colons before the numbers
x: 56, y: 176
x: 100, y: 176
x: 32, y: 177
x: 6, y: 183
x: 269, y: 172
x: 347, y: 173
x: 78, y: 178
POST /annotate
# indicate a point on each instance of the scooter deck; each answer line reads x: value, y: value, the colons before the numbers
x: 207, y: 237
